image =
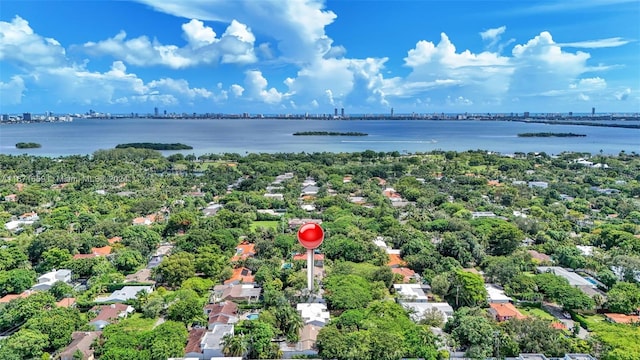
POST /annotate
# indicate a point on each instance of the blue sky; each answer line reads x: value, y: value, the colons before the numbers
x: 277, y: 56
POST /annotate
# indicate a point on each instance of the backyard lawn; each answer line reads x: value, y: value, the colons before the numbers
x: 533, y: 311
x: 264, y: 224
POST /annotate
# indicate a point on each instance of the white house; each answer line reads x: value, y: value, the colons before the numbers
x: 124, y: 294
x: 418, y: 310
x: 496, y: 295
x: 413, y: 293
x: 46, y: 281
x: 313, y: 313
x: 210, y: 343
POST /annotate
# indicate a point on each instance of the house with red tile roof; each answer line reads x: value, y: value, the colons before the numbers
x: 395, y: 260
x: 622, y: 318
x: 108, y: 314
x: 391, y: 194
x: 95, y: 252
x: 225, y: 312
x: 193, y: 349
x: 7, y: 298
x: 407, y: 274
x: 66, y: 302
x: 11, y: 198
x: 558, y: 326
x: 115, y: 239
x: 81, y: 341
x: 381, y: 181
x: 504, y: 311
x: 240, y: 275
x: 244, y: 250
x: 101, y: 251
x: 30, y: 216
x: 146, y: 220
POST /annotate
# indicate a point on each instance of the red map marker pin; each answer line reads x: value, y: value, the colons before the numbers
x: 310, y: 235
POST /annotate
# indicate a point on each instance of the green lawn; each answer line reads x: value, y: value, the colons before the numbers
x: 533, y: 311
x: 264, y: 224
x: 136, y: 322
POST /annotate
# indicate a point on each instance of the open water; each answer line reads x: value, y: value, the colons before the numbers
x: 84, y: 136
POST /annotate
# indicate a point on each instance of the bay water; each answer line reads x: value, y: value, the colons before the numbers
x: 242, y: 136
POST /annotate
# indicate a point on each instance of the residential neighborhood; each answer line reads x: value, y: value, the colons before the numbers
x: 497, y: 256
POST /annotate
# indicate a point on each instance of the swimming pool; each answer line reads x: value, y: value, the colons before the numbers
x: 252, y: 316
x: 591, y: 280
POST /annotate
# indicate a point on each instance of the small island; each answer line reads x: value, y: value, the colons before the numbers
x: 549, y: 134
x: 328, y: 133
x: 28, y: 145
x: 155, y: 146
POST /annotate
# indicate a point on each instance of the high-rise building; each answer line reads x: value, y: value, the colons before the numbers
x: 391, y: 112
x: 155, y: 111
x: 342, y: 112
x: 593, y: 111
x: 335, y: 112
x: 26, y: 116
x: 526, y: 114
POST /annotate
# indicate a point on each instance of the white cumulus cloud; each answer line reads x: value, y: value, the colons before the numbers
x: 19, y: 44
x: 11, y: 92
x: 236, y: 45
x: 297, y: 26
x: 256, y: 87
x: 237, y: 90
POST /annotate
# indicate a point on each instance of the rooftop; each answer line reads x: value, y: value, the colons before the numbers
x: 506, y: 310
x: 573, y: 278
x: 124, y: 294
x: 193, y: 341
x: 622, y: 318
x: 212, y: 339
x: 411, y: 292
x: 311, y: 312
x: 496, y: 294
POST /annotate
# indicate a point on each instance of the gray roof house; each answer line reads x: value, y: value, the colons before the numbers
x: 310, y: 190
x: 124, y: 294
x: 209, y: 344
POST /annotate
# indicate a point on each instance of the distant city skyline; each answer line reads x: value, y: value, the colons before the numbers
x: 320, y: 57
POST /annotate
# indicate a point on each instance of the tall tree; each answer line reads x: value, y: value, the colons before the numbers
x: 467, y: 289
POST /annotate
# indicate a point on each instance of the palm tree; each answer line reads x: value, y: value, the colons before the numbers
x: 234, y: 345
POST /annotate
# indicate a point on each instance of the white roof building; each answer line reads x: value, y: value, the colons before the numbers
x: 412, y: 293
x: 124, y: 294
x: 496, y: 295
x: 573, y: 278
x: 308, y: 207
x: 46, y: 281
x: 13, y: 225
x: 418, y: 309
x: 313, y: 313
x: 210, y: 342
x: 379, y: 241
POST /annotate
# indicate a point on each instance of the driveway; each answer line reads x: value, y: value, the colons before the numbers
x: 557, y: 311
